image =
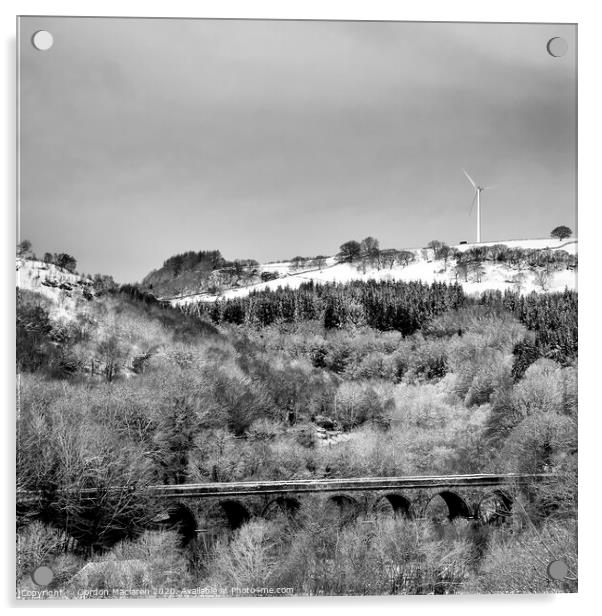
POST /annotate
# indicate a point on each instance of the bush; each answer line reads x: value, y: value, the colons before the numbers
x: 249, y: 560
x: 152, y: 562
x: 517, y: 563
x: 490, y: 376
x: 267, y: 276
x: 546, y: 388
x: 357, y: 403
x: 37, y: 544
x: 381, y: 556
x: 306, y: 436
x: 424, y: 359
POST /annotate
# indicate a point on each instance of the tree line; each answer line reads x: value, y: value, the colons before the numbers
x: 383, y: 305
x: 60, y: 259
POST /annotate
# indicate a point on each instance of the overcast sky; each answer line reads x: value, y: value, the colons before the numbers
x: 271, y: 139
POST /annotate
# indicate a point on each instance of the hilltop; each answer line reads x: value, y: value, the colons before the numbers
x: 520, y: 265
x: 203, y: 271
x: 63, y: 289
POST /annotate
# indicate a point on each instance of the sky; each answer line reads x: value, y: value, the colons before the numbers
x: 143, y: 138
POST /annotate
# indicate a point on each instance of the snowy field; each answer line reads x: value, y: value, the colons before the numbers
x: 495, y: 276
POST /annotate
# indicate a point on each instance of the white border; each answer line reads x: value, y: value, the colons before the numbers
x: 583, y: 12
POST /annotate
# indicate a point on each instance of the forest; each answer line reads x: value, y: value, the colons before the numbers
x: 412, y: 379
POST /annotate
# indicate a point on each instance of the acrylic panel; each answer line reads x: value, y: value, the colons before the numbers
x: 296, y: 308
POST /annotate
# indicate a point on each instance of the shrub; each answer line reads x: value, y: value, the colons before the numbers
x: 380, y: 556
x: 249, y: 560
x: 306, y: 437
x: 356, y: 403
x: 241, y: 401
x: 546, y: 387
x: 517, y: 563
x: 493, y: 373
x: 545, y: 443
x: 37, y: 544
x: 151, y: 562
x: 425, y: 359
x: 365, y: 451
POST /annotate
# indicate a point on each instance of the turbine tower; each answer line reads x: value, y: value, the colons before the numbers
x: 477, y: 196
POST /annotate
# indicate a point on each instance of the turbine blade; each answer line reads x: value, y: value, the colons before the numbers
x: 489, y: 187
x: 472, y: 204
x: 469, y: 178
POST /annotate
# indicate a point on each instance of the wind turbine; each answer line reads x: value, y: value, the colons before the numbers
x: 477, y: 195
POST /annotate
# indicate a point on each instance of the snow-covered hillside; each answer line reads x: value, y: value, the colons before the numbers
x: 424, y: 268
x: 570, y: 245
x: 60, y: 286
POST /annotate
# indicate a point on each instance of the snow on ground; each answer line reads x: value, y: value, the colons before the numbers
x: 61, y: 287
x: 495, y: 276
x: 570, y: 245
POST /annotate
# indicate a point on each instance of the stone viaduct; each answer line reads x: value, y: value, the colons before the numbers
x: 211, y: 507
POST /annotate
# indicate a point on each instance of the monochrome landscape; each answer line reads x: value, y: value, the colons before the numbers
x: 296, y: 309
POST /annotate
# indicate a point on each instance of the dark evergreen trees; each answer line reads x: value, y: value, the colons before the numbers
x: 384, y: 305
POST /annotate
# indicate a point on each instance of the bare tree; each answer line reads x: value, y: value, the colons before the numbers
x: 319, y: 261
x: 477, y: 270
x: 111, y: 355
x: 369, y: 246
x: 389, y: 257
x: 461, y: 271
x: 369, y: 249
x: 435, y: 245
x: 405, y: 257
x: 543, y: 278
